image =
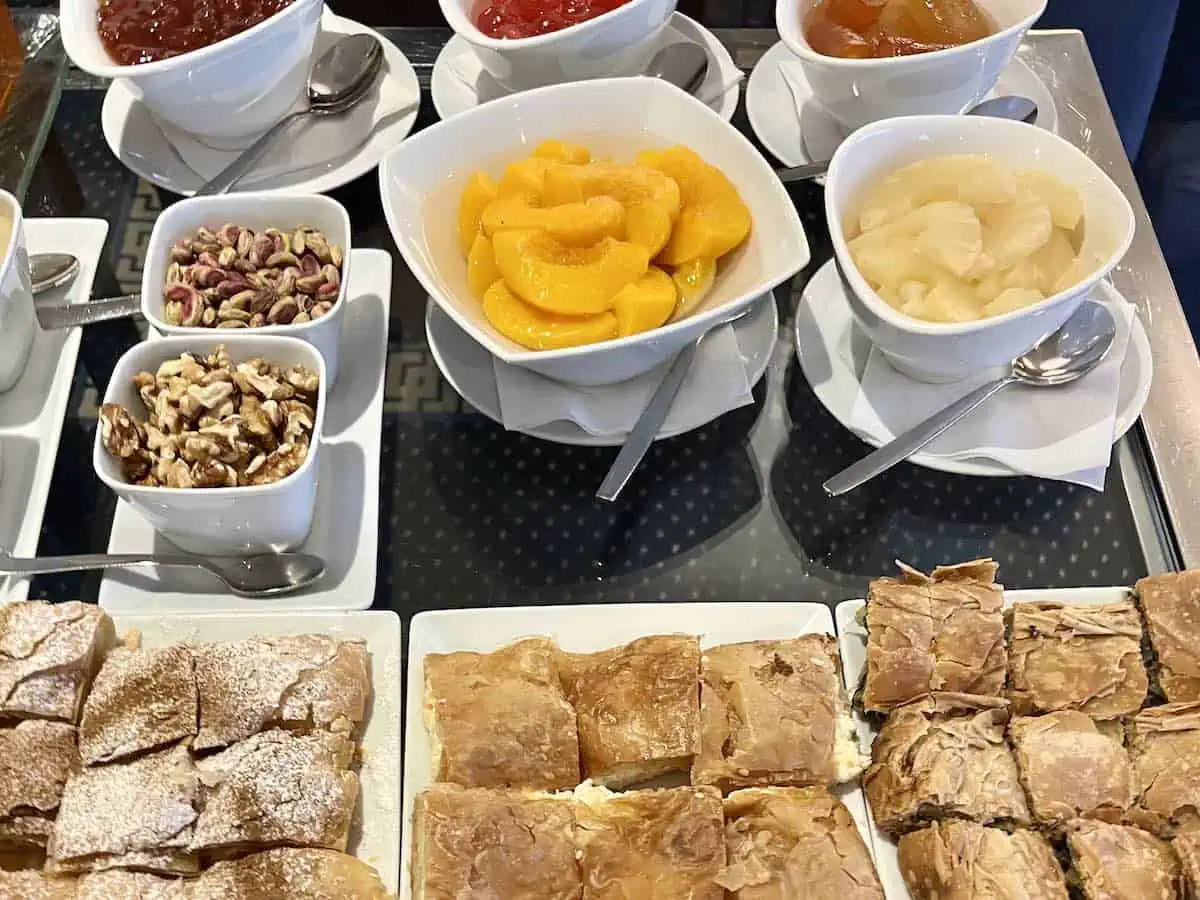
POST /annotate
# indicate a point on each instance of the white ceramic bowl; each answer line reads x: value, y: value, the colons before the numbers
x: 16, y: 298
x: 226, y: 93
x: 228, y: 520
x: 256, y: 211
x: 932, y: 351
x: 616, y: 43
x: 422, y: 179
x: 858, y: 91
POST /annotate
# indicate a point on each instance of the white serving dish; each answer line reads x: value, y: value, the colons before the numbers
x: 585, y: 629
x: 226, y: 520
x: 935, y: 351
x: 256, y: 211
x: 859, y: 91
x: 16, y: 298
x: 619, y: 42
x: 226, y: 93
x: 422, y: 179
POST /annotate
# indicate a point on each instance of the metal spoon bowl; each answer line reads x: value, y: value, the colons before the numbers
x: 683, y: 64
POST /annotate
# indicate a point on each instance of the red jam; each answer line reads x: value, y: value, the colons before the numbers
x: 529, y: 18
x: 141, y: 31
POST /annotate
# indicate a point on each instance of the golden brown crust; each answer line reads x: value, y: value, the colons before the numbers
x: 774, y: 713
x: 1067, y: 656
x: 1164, y: 743
x: 958, y: 860
x: 47, y: 653
x: 493, y: 844
x: 294, y: 874
x: 938, y: 632
x: 1071, y: 768
x: 31, y: 885
x: 944, y: 756
x: 652, y: 845
x: 121, y: 885
x: 1187, y: 848
x: 36, y: 758
x: 500, y: 720
x: 1171, y: 603
x: 795, y: 844
x: 1118, y: 862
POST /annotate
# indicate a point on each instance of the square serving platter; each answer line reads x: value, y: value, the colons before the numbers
x: 584, y: 629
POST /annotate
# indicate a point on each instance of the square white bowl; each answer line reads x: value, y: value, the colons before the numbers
x: 256, y: 211
x: 422, y: 179
x: 935, y: 351
x: 228, y: 520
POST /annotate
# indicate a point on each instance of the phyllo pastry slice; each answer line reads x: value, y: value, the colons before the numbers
x: 1119, y: 862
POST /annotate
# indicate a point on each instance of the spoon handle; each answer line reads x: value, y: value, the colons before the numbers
x: 224, y: 181
x: 71, y: 315
x: 905, y: 445
x: 803, y: 173
x: 84, y: 562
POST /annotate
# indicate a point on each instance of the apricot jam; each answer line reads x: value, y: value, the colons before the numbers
x: 528, y: 18
x: 871, y: 29
x: 141, y: 31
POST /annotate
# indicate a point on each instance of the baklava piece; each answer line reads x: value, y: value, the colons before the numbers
x: 939, y: 632
x: 277, y: 788
x: 36, y: 759
x: 775, y: 713
x: 294, y: 874
x: 117, y: 884
x: 653, y: 845
x: 307, y: 682
x: 944, y: 757
x: 1171, y: 603
x: 1187, y: 848
x: 1072, y: 767
x: 28, y: 884
x: 637, y: 707
x: 1087, y: 658
x: 1118, y: 862
x: 1164, y: 742
x: 140, y: 700
x: 472, y: 842
x: 500, y: 720
x: 795, y: 844
x: 138, y: 815
x: 48, y: 653
x: 967, y: 861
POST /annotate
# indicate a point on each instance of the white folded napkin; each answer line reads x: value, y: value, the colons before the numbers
x: 311, y: 141
x: 1063, y: 433
x: 717, y: 381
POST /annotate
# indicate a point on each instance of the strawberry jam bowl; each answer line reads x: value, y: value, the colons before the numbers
x: 225, y: 93
x: 525, y: 44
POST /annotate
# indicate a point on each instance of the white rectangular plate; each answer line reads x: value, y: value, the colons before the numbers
x: 585, y: 629
x: 852, y: 642
x: 31, y: 413
x: 345, y: 531
x: 378, y: 842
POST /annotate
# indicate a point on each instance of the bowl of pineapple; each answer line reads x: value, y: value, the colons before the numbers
x: 590, y: 231
x: 966, y: 240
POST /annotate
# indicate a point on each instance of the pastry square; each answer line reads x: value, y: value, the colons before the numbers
x: 140, y: 700
x: 117, y: 884
x: 1171, y: 603
x: 1119, y: 862
x: 1164, y: 743
x: 36, y: 759
x: 958, y: 860
x: 138, y: 814
x: 672, y: 839
x: 1087, y: 658
x: 294, y: 874
x: 944, y: 756
x: 1187, y: 848
x: 1072, y: 767
x: 28, y: 884
x: 500, y: 720
x: 47, y: 657
x: 303, y: 682
x: 939, y: 632
x: 794, y: 844
x: 775, y: 713
x: 274, y: 788
x: 637, y: 707
x: 484, y: 843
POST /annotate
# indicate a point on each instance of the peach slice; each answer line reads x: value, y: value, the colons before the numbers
x: 480, y: 191
x: 644, y: 304
x: 482, y: 271
x: 694, y: 279
x: 578, y: 224
x: 563, y: 151
x: 531, y: 327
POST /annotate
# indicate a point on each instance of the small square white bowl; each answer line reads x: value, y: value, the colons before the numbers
x: 257, y: 211
x: 422, y: 180
x: 229, y: 520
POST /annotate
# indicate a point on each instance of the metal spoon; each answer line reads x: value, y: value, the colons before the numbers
x: 1065, y: 356
x: 339, y: 80
x: 684, y: 65
x: 259, y: 576
x: 1020, y: 109
x: 53, y: 270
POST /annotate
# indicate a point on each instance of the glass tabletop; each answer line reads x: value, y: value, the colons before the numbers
x: 473, y: 515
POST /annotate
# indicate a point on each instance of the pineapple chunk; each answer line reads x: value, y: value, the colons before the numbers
x: 1011, y: 233
x: 952, y: 237
x: 1011, y: 299
x: 973, y: 179
x: 1025, y: 274
x: 951, y: 300
x: 1066, y: 206
x: 1054, y: 258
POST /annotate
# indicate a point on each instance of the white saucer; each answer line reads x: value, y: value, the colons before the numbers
x: 772, y: 109
x: 833, y: 353
x: 452, y: 95
x: 136, y: 140
x: 345, y: 531
x: 470, y: 370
